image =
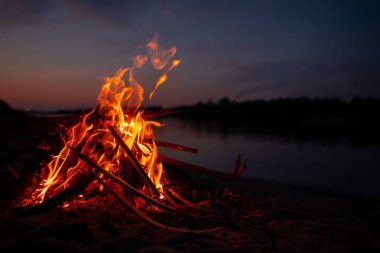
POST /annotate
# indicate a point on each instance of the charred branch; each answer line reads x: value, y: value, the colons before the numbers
x: 134, y: 161
x: 176, y: 146
x: 198, y: 169
x: 121, y: 182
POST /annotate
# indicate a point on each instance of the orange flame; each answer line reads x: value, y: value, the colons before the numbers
x: 164, y: 77
x: 119, y: 106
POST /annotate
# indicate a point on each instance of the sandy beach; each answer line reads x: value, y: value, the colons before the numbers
x: 260, y: 217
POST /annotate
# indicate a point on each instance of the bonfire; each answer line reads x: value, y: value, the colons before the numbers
x: 113, y: 149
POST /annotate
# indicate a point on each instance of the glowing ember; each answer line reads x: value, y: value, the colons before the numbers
x: 119, y: 108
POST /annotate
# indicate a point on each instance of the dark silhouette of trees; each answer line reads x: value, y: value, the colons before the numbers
x: 357, y: 120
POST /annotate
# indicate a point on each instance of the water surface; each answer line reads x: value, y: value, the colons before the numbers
x: 337, y: 166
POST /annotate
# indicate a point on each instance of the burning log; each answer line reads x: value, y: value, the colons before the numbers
x: 134, y: 162
x: 122, y: 183
x: 65, y: 195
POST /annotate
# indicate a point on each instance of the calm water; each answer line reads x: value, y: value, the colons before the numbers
x: 339, y: 167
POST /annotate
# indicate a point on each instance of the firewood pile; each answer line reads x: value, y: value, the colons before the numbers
x: 112, y: 151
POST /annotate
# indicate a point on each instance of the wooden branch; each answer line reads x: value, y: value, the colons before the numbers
x: 134, y: 161
x: 64, y: 195
x: 152, y: 221
x: 122, y: 182
x: 197, y: 169
x: 179, y: 197
x: 170, y: 200
x: 176, y: 146
x: 13, y: 172
x: 196, y: 206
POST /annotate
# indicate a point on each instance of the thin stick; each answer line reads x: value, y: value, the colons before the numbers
x: 179, y: 197
x: 195, y: 168
x: 122, y: 182
x: 134, y: 161
x: 13, y: 172
x: 176, y: 146
x: 130, y: 207
x: 170, y: 200
x: 196, y: 206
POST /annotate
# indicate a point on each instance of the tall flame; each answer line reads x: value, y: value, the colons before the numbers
x: 119, y: 105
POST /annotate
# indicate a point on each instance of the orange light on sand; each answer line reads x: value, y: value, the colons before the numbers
x: 119, y: 106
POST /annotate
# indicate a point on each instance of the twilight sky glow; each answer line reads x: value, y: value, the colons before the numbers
x: 54, y: 54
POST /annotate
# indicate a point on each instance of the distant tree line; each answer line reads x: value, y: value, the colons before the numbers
x: 303, y: 119
x: 284, y: 109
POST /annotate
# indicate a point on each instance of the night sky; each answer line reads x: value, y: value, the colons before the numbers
x: 54, y: 54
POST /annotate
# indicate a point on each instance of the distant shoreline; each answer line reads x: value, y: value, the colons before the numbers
x: 281, y: 108
x: 301, y: 119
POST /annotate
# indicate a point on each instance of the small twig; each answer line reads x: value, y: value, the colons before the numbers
x: 13, y: 172
x: 122, y: 182
x: 170, y: 200
x: 180, y: 198
x: 198, y: 169
x: 240, y: 166
x: 176, y: 146
x: 196, y: 206
x: 134, y: 161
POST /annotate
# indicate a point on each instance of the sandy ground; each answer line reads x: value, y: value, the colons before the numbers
x: 267, y: 218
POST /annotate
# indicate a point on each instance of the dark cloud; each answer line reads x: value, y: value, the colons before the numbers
x: 248, y: 46
x: 114, y: 11
x: 211, y: 8
x: 24, y: 11
x: 36, y: 11
x: 345, y: 79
